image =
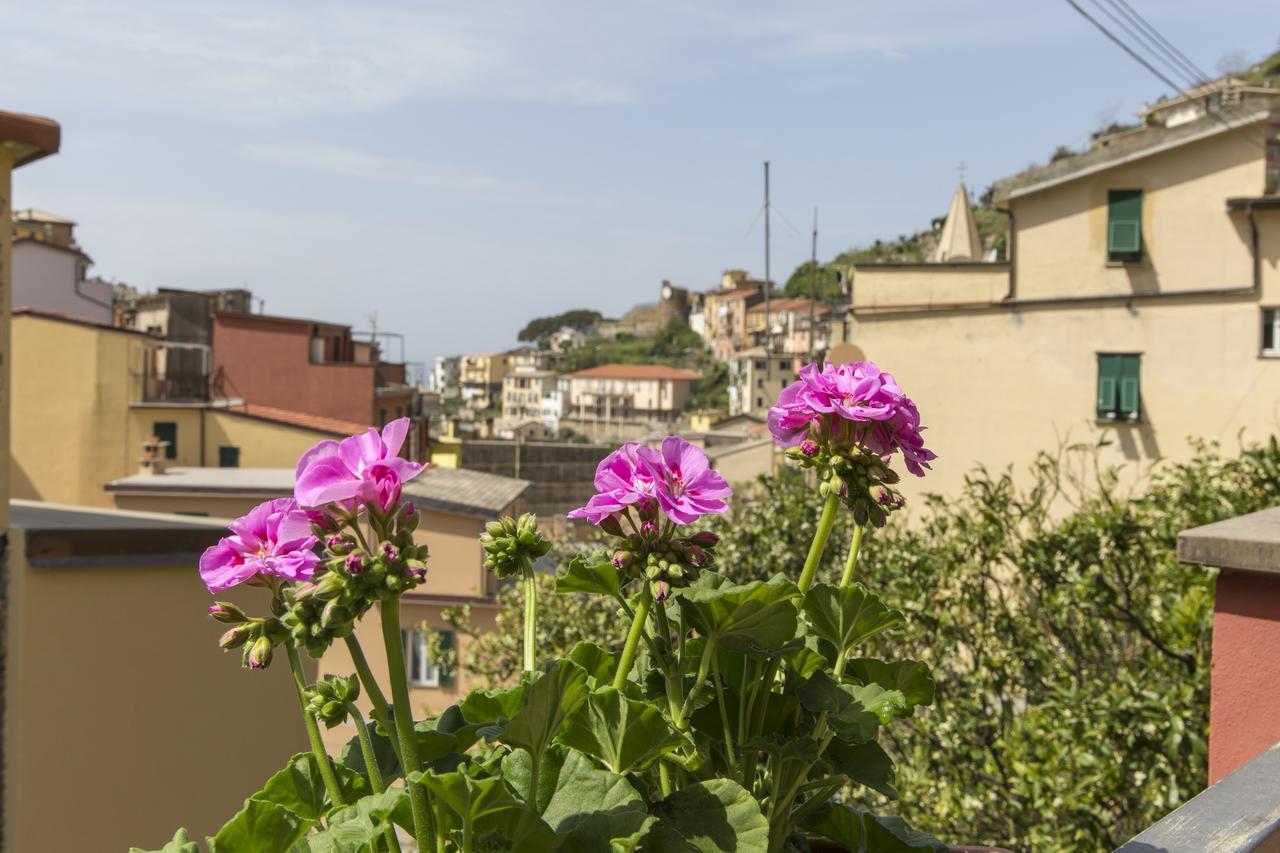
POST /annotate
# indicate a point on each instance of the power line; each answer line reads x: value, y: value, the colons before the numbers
x: 1143, y: 40
x: 1132, y: 13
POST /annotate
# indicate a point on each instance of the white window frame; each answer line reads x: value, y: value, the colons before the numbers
x: 1270, y: 317
x: 417, y: 664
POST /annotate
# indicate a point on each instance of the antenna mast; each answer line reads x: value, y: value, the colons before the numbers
x: 768, y: 336
x: 813, y: 288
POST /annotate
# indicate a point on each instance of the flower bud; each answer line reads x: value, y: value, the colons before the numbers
x: 355, y: 563
x: 621, y: 559
x: 661, y: 590
x: 237, y: 636
x: 389, y: 551
x: 809, y: 447
x: 648, y: 530
x: 259, y: 654
x: 612, y: 525
x: 227, y: 613
x: 704, y: 539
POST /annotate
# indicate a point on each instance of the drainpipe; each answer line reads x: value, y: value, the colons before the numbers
x: 1011, y: 246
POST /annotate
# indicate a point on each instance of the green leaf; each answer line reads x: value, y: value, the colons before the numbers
x: 555, y: 695
x: 759, y: 613
x: 865, y: 763
x: 484, y: 712
x: 860, y: 831
x: 847, y: 616
x: 624, y: 733
x: 717, y: 816
x: 497, y: 818
x: 590, y: 575
x: 909, y: 677
x: 599, y: 663
x: 300, y: 788
x: 856, y: 712
x: 352, y: 757
x: 354, y: 829
x: 260, y: 827
x: 181, y: 843
x: 593, y: 805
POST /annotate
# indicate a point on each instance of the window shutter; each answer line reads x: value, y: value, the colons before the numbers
x: 1108, y: 385
x: 1130, y: 369
x: 167, y: 431
x: 446, y: 644
x: 228, y: 456
x: 1124, y: 222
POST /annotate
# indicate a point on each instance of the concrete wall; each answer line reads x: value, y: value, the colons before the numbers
x: 928, y: 284
x: 263, y: 444
x: 115, y: 674
x: 46, y: 276
x: 562, y: 474
x: 270, y: 363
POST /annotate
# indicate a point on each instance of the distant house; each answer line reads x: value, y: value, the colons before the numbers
x: 523, y: 396
x: 798, y: 326
x: 626, y: 400
x: 724, y: 313
x: 756, y: 378
x: 480, y: 378
x: 50, y: 270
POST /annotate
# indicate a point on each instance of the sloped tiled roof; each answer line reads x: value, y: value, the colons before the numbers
x: 465, y: 492
x: 635, y: 371
x: 319, y: 423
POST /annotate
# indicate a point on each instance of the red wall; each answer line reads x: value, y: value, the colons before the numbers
x: 268, y: 362
x: 1244, y: 720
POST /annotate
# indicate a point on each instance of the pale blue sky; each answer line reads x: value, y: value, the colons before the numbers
x: 458, y: 168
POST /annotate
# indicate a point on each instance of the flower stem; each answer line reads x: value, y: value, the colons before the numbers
x: 409, y: 756
x: 820, y: 536
x: 381, y: 711
x: 371, y: 767
x: 852, y: 559
x: 633, y: 638
x: 724, y: 715
x: 313, y: 731
x: 530, y: 619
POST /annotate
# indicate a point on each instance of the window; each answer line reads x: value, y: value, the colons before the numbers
x: 759, y: 402
x: 167, y: 431
x: 1271, y: 332
x: 1119, y: 390
x: 1124, y: 226
x: 228, y: 456
x: 382, y: 417
x: 421, y: 671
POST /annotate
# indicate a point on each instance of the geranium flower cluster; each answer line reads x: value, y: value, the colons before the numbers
x: 311, y: 550
x: 854, y: 406
x: 655, y: 491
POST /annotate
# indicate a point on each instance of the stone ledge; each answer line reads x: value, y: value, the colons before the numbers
x: 1249, y: 543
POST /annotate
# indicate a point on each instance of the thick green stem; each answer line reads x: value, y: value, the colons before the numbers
x: 381, y: 711
x: 724, y: 715
x: 664, y: 779
x: 852, y: 560
x: 704, y: 667
x: 409, y: 756
x: 669, y: 667
x: 313, y: 731
x: 530, y: 620
x: 820, y: 536
x: 633, y: 638
x: 371, y: 768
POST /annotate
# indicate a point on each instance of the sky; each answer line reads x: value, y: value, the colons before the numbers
x: 450, y: 170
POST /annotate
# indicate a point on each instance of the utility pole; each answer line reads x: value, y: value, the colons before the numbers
x: 813, y: 288
x: 768, y: 348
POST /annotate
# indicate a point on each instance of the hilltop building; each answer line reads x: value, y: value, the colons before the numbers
x: 51, y: 271
x: 480, y: 379
x: 1140, y: 303
x: 445, y: 376
x: 800, y: 326
x: 619, y: 402
x: 724, y: 313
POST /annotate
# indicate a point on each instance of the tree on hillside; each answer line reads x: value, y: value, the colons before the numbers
x: 802, y: 282
x: 541, y: 327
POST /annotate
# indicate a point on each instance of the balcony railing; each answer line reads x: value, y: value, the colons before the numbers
x: 176, y: 388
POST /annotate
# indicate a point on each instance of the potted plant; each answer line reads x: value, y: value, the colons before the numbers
x: 731, y: 719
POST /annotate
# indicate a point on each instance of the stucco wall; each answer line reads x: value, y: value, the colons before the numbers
x: 117, y: 670
x: 1189, y: 241
x: 270, y: 364
x: 45, y: 277
x: 262, y: 444
x: 929, y: 284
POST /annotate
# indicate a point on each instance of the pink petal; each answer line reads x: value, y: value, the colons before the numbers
x: 328, y: 447
x: 393, y: 436
x: 325, y: 480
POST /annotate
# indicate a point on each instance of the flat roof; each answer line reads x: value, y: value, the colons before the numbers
x: 1249, y: 543
x: 458, y: 491
x: 62, y: 536
x: 33, y: 136
x: 635, y: 371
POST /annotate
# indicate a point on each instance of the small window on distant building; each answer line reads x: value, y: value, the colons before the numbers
x: 228, y: 456
x: 1124, y: 226
x: 1271, y: 332
x: 760, y: 382
x: 1119, y: 386
x: 419, y: 667
x: 399, y: 411
x: 760, y: 365
x: 167, y: 431
x: 382, y: 417
x: 759, y: 402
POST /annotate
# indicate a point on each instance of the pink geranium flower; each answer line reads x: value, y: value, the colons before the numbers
x: 272, y: 539
x: 364, y: 468
x: 855, y: 405
x: 677, y: 477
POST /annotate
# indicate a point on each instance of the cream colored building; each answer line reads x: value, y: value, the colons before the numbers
x: 1139, y: 305
x: 523, y: 393
x: 454, y: 504
x: 480, y: 377
x: 624, y: 401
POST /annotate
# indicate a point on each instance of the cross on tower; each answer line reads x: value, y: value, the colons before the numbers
x: 961, y: 169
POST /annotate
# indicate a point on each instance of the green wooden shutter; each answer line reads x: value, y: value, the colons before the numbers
x: 1124, y: 222
x: 1108, y: 385
x: 167, y: 431
x: 228, y: 456
x: 1130, y: 389
x: 446, y: 644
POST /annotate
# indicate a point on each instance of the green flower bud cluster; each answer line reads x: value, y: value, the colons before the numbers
x: 512, y: 545
x: 329, y: 698
x: 327, y: 607
x: 663, y: 559
x: 863, y: 480
x: 256, y: 635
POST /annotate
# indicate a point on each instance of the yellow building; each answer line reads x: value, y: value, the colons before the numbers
x: 113, y: 667
x: 1140, y: 304
x: 454, y: 505
x: 480, y: 377
x: 79, y: 417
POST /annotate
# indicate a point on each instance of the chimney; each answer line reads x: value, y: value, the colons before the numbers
x: 152, y: 461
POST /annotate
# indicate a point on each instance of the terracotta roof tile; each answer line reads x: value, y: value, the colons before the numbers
x: 300, y: 419
x: 635, y: 371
